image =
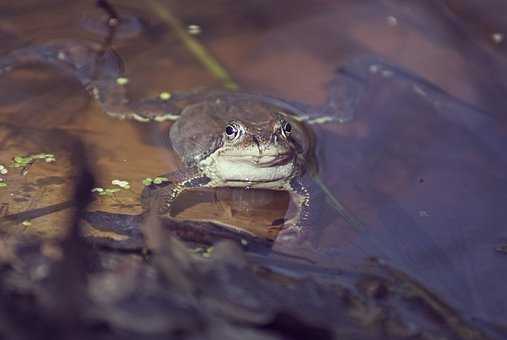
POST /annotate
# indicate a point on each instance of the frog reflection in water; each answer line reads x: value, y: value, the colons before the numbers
x: 225, y: 139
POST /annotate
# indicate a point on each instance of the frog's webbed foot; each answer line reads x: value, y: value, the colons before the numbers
x: 77, y: 59
x: 161, y: 196
x: 349, y: 85
x: 101, y: 72
x: 345, y: 92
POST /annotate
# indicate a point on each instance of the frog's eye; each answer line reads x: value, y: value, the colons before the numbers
x: 286, y: 128
x: 231, y: 131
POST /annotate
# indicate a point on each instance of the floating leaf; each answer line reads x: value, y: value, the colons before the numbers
x: 23, y: 161
x: 159, y: 180
x: 147, y: 181
x: 121, y: 184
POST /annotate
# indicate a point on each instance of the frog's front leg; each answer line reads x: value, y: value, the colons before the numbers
x: 305, y: 218
x: 159, y: 197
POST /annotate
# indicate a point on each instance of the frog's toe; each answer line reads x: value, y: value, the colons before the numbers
x: 290, y: 232
x: 155, y: 110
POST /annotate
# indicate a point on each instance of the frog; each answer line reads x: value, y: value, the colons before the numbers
x: 238, y: 140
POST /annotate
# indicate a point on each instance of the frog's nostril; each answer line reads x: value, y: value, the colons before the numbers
x: 257, y: 143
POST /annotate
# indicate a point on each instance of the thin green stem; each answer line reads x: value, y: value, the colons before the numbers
x: 194, y: 46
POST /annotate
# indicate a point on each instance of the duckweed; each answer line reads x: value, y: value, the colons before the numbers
x: 157, y: 180
x: 194, y: 29
x: 208, y: 252
x: 105, y: 191
x: 121, y: 184
x: 24, y: 161
x: 165, y: 95
x: 122, y: 81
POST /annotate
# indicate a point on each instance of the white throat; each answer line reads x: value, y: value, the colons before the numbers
x: 246, y: 169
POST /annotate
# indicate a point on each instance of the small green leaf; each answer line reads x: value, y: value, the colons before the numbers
x: 165, y: 95
x: 3, y: 184
x: 159, y: 180
x: 147, y: 181
x: 22, y: 161
x: 121, y: 184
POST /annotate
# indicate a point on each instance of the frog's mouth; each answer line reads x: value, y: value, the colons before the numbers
x: 261, y: 161
x: 239, y: 169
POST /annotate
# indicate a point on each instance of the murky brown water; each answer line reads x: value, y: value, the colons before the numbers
x: 427, y: 181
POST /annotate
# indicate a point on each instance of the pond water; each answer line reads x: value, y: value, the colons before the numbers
x: 421, y: 167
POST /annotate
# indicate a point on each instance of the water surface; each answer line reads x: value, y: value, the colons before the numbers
x: 425, y: 178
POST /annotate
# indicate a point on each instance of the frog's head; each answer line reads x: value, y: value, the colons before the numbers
x: 256, y: 151
x: 247, y: 142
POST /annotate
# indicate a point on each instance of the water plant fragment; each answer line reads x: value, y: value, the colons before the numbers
x: 157, y: 180
x: 121, y: 184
